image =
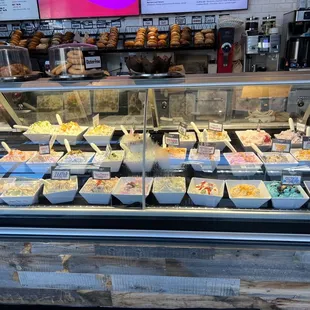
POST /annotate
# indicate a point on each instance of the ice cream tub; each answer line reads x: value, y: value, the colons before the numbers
x: 294, y: 136
x: 286, y: 198
x: 216, y: 137
x: 99, y: 140
x: 243, y: 164
x: 98, y: 192
x: 188, y: 141
x: 72, y: 138
x: 169, y: 190
x: 134, y: 162
x: 275, y: 162
x: 22, y: 193
x: 16, y: 160
x: 247, y: 194
x: 261, y: 138
x: 114, y: 161
x: 40, y: 132
x: 202, y: 162
x: 171, y: 158
x: 42, y: 164
x: 63, y: 191
x: 77, y: 163
x: 129, y: 189
x: 302, y: 156
x: 5, y: 183
x: 199, y: 194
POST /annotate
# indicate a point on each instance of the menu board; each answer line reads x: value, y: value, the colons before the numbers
x: 50, y: 9
x: 18, y: 10
x: 183, y: 6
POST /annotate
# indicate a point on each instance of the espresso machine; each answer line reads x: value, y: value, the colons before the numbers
x: 225, y: 50
x: 296, y: 35
x: 262, y: 47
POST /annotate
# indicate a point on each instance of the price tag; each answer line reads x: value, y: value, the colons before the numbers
x: 60, y: 174
x: 44, y: 149
x: 96, y: 120
x: 3, y: 27
x: 210, y: 19
x: 44, y: 26
x: 180, y: 20
x: 116, y: 23
x: 108, y: 151
x: 196, y: 19
x: 87, y: 24
x: 15, y: 27
x: 163, y: 21
x: 182, y: 129
x: 52, y: 141
x: 92, y: 60
x: 206, y: 148
x: 101, y: 23
x: 301, y: 127
x: 147, y: 22
x: 75, y: 24
x: 280, y: 145
x: 291, y: 178
x: 306, y: 143
x: 216, y: 126
x: 103, y: 173
x: 172, y: 139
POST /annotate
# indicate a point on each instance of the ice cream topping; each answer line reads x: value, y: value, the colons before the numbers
x: 295, y: 137
x: 17, y: 156
x: 71, y: 128
x: 213, y: 136
x: 115, y: 156
x: 276, y: 189
x: 245, y: 191
x: 55, y: 186
x: 206, y: 188
x: 41, y: 127
x: 172, y: 152
x: 27, y: 189
x: 53, y: 157
x: 133, y: 187
x: 101, y: 130
x: 241, y: 158
x: 253, y: 136
x: 302, y: 155
x: 100, y: 186
x: 276, y: 158
x: 75, y: 157
x: 169, y: 185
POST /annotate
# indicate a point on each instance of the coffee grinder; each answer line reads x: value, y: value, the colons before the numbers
x: 225, y: 50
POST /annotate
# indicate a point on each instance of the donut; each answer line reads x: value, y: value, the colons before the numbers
x: 61, y: 68
x: 162, y: 36
x: 75, y: 54
x: 76, y: 70
x: 76, y: 61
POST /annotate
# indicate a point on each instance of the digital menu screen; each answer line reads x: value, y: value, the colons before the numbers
x: 50, y: 9
x: 18, y: 10
x: 183, y: 6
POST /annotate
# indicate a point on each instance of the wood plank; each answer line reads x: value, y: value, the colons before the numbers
x: 64, y: 248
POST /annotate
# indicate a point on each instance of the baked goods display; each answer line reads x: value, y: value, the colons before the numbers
x: 35, y: 40
x: 16, y: 38
x: 204, y: 38
x: 69, y: 59
x: 14, y: 61
x: 108, y: 39
x: 180, y: 37
x: 139, y: 40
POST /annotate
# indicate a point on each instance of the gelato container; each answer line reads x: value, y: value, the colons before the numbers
x: 171, y: 158
x: 248, y: 194
x: 286, y: 197
x: 187, y: 141
x: 129, y: 189
x: 261, y: 138
x: 206, y: 192
x: 40, y: 132
x: 202, y: 162
x: 114, y: 161
x: 134, y: 161
x: 60, y: 191
x: 217, y: 137
x: 98, y: 192
x: 302, y: 156
x: 294, y: 136
x: 71, y: 131
x: 100, y: 135
x: 5, y: 184
x: 169, y: 190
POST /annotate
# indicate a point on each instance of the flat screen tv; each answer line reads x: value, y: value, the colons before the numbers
x: 188, y: 6
x: 19, y: 10
x: 53, y: 9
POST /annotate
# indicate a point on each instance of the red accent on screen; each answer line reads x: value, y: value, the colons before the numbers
x: 50, y: 9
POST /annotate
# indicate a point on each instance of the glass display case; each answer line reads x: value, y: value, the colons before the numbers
x: 156, y: 193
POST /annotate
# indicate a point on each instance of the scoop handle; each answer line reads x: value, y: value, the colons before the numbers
x: 59, y: 120
x: 291, y: 124
x: 308, y: 131
x: 229, y: 145
x: 67, y: 145
x: 256, y: 149
x: 21, y: 127
x: 196, y: 130
x: 124, y: 130
x: 6, y: 147
x: 96, y: 148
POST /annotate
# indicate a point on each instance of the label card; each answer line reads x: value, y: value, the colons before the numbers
x: 101, y: 23
x: 60, y: 174
x: 209, y: 19
x: 206, y: 148
x: 196, y: 19
x: 92, y: 60
x: 116, y: 23
x: 3, y: 27
x: 180, y: 20
x: 306, y: 143
x: 44, y: 149
x: 301, y: 127
x: 163, y: 21
x: 87, y: 24
x: 75, y: 24
x: 182, y: 129
x: 108, y: 151
x: 172, y: 139
x: 147, y: 22
x: 96, y: 120
x: 216, y: 126
x: 103, y: 173
x: 291, y: 178
x: 52, y: 141
x: 281, y: 145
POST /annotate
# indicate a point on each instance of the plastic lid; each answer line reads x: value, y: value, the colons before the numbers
x: 74, y: 45
x: 12, y: 48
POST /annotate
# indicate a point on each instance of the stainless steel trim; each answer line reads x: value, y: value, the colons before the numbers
x: 161, y: 234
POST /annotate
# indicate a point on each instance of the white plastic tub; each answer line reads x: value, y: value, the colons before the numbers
x: 76, y: 168
x: 72, y: 139
x: 201, y: 162
x: 115, y: 165
x: 99, y: 140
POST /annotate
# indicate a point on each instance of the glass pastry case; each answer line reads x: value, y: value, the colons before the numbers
x: 171, y: 153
